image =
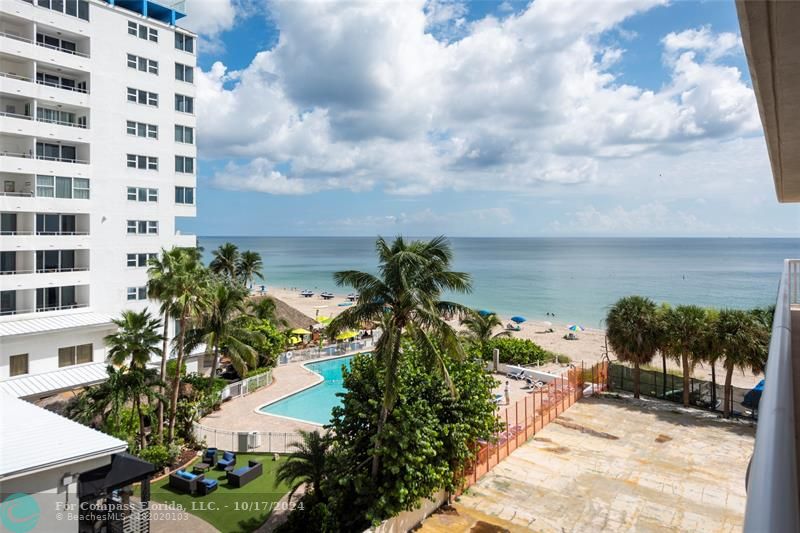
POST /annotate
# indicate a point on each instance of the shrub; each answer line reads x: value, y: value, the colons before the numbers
x: 516, y: 351
x: 158, y: 454
x: 563, y: 359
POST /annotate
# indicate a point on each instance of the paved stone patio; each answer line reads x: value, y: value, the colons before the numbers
x: 615, y: 464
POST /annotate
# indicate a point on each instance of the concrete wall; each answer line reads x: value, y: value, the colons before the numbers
x: 409, y: 519
x: 529, y: 372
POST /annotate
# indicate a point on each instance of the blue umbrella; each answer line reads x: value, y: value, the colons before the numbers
x: 575, y: 327
x: 753, y: 396
x: 518, y: 319
x: 485, y: 312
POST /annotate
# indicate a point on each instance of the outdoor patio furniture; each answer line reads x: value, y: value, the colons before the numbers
x: 519, y: 374
x: 245, y: 474
x: 207, y: 486
x: 228, y: 459
x: 201, y: 468
x: 210, y: 456
x: 184, y: 481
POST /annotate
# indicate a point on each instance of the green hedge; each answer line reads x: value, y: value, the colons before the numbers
x: 517, y: 351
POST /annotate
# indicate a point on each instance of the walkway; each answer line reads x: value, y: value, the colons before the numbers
x: 612, y: 464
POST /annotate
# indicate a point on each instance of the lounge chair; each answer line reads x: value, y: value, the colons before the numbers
x: 210, y: 457
x: 245, y: 474
x: 519, y: 374
x: 206, y: 486
x: 184, y: 481
x: 227, y: 461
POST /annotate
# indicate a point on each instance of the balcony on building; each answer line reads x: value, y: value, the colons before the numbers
x: 28, y: 116
x: 46, y: 82
x: 43, y: 231
x: 26, y: 154
x: 44, y: 193
x: 34, y: 269
x: 43, y: 300
x: 44, y: 44
x: 772, y: 45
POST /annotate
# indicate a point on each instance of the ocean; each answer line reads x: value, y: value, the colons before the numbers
x: 575, y: 279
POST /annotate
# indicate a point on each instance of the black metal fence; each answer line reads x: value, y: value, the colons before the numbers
x: 702, y: 393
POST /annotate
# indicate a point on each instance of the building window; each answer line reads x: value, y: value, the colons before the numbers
x: 73, y: 8
x: 8, y: 302
x: 143, y: 64
x: 140, y: 129
x: 56, y: 152
x: 184, y: 73
x: 184, y: 164
x: 54, y: 298
x: 184, y: 134
x: 139, y: 260
x: 184, y: 195
x: 55, y: 261
x: 184, y: 104
x: 142, y: 162
x: 18, y: 365
x: 55, y: 224
x: 184, y: 42
x: 62, y: 187
x: 142, y: 194
x: 137, y: 293
x: 139, y: 96
x: 75, y: 355
x: 143, y: 227
x: 143, y: 32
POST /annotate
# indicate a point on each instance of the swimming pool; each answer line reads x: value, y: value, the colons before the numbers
x: 315, y: 403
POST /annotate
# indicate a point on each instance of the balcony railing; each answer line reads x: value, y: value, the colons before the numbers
x: 9, y: 312
x: 43, y: 82
x: 43, y: 45
x: 44, y: 120
x: 42, y: 271
x: 13, y: 272
x: 772, y: 484
x: 62, y: 159
x: 45, y: 233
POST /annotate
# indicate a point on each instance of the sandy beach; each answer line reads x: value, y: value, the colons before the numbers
x: 590, y: 346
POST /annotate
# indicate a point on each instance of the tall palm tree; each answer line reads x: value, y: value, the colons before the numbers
x: 223, y: 328
x: 160, y: 287
x: 225, y: 261
x: 480, y: 328
x: 103, y: 401
x: 305, y: 465
x: 684, y: 331
x: 135, y: 341
x: 249, y: 267
x: 189, y: 287
x: 405, y: 297
x: 744, y: 342
x: 633, y: 331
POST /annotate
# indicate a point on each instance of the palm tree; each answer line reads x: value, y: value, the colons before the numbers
x: 480, y: 328
x: 249, y: 267
x: 135, y: 341
x: 633, y: 331
x: 223, y: 328
x: 744, y: 342
x: 188, y: 291
x: 306, y: 465
x: 102, y: 401
x: 405, y: 297
x: 160, y: 286
x: 225, y: 261
x: 684, y: 331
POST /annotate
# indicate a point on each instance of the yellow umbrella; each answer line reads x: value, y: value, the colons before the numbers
x: 300, y: 331
x: 324, y: 319
x: 349, y: 334
x: 295, y: 340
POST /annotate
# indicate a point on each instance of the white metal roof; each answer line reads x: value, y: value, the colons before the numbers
x: 34, y: 439
x: 30, y: 326
x: 63, y: 379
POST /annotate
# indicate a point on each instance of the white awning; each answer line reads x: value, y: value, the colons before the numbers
x: 32, y: 326
x: 63, y: 379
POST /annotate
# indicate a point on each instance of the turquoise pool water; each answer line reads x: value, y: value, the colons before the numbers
x: 314, y: 404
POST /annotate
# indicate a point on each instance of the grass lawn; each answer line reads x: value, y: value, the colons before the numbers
x: 229, y: 509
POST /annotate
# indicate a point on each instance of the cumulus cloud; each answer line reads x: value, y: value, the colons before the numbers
x: 210, y: 18
x: 366, y: 95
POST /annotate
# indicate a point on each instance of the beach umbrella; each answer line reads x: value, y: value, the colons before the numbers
x: 575, y: 327
x: 300, y: 331
x: 295, y: 340
x: 485, y: 312
x: 518, y: 319
x: 324, y: 319
x: 349, y: 334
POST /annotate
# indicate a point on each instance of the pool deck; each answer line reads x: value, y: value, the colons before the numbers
x: 240, y: 414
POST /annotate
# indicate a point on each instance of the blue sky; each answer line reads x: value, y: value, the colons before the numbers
x: 488, y: 119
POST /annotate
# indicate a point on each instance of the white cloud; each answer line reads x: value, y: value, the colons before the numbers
x: 652, y: 218
x: 362, y: 95
x: 425, y: 219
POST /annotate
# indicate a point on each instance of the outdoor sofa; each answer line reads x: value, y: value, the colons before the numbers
x: 228, y: 460
x: 245, y: 474
x: 184, y: 481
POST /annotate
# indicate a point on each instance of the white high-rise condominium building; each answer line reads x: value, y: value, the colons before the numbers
x: 97, y: 159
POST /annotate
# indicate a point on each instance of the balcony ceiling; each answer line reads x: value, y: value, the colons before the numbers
x: 772, y: 43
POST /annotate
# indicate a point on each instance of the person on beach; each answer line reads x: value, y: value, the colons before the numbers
x: 508, y: 393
